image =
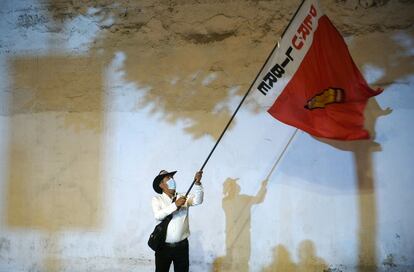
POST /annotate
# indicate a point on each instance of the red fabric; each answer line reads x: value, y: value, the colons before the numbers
x: 327, y: 64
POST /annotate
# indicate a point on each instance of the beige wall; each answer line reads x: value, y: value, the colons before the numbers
x: 95, y: 99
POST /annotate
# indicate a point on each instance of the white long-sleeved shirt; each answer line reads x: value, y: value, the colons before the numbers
x: 178, y: 228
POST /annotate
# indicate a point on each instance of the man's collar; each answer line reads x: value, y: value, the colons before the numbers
x: 164, y: 195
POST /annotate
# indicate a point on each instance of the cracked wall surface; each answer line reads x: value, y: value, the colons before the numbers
x: 97, y: 96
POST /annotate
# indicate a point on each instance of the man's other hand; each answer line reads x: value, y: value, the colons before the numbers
x: 198, y: 176
x: 180, y: 201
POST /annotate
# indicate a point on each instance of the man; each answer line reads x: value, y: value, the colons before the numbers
x: 169, y: 202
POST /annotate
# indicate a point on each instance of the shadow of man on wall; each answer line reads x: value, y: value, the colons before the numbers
x: 308, y: 260
x: 237, y: 210
x: 282, y: 261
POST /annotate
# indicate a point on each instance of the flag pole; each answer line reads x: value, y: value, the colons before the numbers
x: 243, y: 99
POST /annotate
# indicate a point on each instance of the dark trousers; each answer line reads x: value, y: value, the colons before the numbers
x: 176, y: 253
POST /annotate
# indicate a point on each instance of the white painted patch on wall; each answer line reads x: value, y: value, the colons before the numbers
x: 372, y: 73
x: 121, y: 95
x: 230, y: 103
x: 406, y: 41
x: 209, y: 78
x: 79, y: 33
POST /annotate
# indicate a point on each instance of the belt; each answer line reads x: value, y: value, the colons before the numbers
x: 177, y: 244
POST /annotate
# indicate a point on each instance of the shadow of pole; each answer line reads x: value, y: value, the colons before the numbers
x: 365, y: 184
x: 367, y: 208
x: 366, y: 205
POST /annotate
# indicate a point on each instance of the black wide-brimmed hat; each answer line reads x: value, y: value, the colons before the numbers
x: 158, y: 179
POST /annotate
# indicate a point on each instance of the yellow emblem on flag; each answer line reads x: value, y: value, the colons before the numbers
x: 326, y: 97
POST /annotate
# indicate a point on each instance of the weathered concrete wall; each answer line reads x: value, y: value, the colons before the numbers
x: 97, y: 96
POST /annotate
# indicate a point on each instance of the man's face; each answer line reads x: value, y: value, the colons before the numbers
x: 164, y: 185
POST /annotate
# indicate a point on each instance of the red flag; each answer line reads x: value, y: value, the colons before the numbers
x: 326, y: 94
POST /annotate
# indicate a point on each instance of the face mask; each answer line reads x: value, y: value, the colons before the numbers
x: 171, y: 184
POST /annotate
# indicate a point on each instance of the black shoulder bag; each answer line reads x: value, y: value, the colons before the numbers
x: 157, y: 237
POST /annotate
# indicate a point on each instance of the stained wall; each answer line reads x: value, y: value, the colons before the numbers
x: 97, y: 97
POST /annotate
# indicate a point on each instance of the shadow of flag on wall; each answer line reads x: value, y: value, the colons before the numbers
x: 312, y: 83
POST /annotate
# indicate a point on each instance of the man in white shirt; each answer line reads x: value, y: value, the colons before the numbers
x: 169, y: 202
